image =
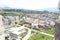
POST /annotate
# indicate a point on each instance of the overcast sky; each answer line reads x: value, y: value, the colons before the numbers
x: 30, y: 4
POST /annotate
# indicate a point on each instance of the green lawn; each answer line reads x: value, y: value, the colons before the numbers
x: 51, y: 31
x: 9, y: 14
x: 40, y: 37
x: 12, y: 14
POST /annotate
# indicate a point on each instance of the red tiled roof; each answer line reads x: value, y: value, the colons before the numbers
x: 32, y: 20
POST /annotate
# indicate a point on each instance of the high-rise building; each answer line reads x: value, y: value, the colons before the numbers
x: 2, y: 36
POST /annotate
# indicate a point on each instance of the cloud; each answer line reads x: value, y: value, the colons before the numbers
x: 29, y: 4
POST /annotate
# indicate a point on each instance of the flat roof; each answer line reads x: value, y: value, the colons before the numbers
x: 17, y: 30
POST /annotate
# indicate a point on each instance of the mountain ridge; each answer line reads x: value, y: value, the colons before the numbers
x: 47, y: 9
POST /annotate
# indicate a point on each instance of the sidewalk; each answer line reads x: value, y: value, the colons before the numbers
x: 28, y: 35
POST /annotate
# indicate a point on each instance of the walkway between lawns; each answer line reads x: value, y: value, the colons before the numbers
x: 44, y: 33
x: 28, y: 35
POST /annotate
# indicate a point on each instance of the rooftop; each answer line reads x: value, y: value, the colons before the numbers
x: 17, y: 30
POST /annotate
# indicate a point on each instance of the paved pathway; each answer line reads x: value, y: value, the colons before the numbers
x: 44, y: 33
x: 28, y: 35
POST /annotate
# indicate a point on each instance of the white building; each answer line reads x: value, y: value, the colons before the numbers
x: 2, y: 36
x: 52, y: 23
x: 16, y: 32
x: 34, y: 25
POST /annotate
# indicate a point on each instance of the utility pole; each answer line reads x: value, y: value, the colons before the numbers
x: 57, y: 31
x: 57, y: 25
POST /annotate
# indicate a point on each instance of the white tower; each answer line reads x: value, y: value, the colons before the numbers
x: 2, y: 36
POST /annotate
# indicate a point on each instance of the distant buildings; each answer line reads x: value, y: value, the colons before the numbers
x: 34, y: 22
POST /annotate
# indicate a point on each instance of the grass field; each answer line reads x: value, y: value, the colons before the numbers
x: 11, y: 13
x: 51, y: 31
x: 40, y: 37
